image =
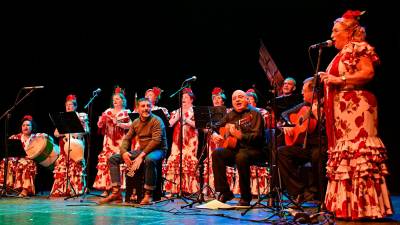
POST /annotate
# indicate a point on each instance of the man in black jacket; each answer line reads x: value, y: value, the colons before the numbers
x: 245, y: 125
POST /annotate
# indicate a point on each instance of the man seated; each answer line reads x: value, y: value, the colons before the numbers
x: 245, y: 126
x: 295, y: 153
x: 150, y: 131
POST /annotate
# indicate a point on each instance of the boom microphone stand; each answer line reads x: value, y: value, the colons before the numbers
x: 321, y: 154
x: 86, y: 168
x: 184, y: 85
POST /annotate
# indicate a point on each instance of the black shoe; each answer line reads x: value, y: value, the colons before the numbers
x: 243, y: 202
x: 226, y: 196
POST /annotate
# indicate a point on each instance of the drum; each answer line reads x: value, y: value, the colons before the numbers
x: 77, y: 148
x: 43, y: 151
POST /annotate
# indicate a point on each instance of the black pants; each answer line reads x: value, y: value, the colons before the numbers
x: 288, y: 160
x: 243, y: 158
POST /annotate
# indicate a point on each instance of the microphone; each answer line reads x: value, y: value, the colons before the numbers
x: 32, y: 87
x: 194, y: 78
x: 327, y: 43
x: 97, y: 91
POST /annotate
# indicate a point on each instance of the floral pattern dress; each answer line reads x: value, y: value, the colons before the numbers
x: 113, y: 135
x: 190, y: 175
x: 69, y: 175
x: 356, y: 166
x: 21, y: 171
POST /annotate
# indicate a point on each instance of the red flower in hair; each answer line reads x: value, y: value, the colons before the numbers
x: 118, y: 90
x: 27, y: 117
x: 71, y: 98
x: 350, y: 14
x: 251, y: 90
x: 157, y: 91
x: 217, y: 91
x: 188, y: 91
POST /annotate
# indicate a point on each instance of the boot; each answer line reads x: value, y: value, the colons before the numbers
x: 114, y: 196
x: 148, y: 198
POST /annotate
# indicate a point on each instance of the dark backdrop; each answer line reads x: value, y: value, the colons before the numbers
x: 79, y: 48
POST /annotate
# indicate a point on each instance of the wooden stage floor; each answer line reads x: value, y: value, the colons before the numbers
x: 43, y: 210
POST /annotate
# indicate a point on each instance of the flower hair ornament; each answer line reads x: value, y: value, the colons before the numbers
x: 252, y: 93
x: 119, y: 90
x: 70, y: 97
x: 187, y: 91
x: 156, y: 90
x: 27, y: 117
x: 350, y: 14
x: 218, y: 91
x: 251, y: 90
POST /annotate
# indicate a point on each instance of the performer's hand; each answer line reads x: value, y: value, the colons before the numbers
x: 56, y: 134
x: 288, y: 130
x: 127, y: 158
x: 235, y: 132
x: 216, y: 138
x: 137, y: 162
x: 330, y: 79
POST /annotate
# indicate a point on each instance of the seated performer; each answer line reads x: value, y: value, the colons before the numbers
x: 151, y: 133
x: 288, y: 98
x: 22, y: 171
x: 245, y: 126
x: 293, y: 155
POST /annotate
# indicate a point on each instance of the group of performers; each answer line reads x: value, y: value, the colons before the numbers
x: 356, y: 169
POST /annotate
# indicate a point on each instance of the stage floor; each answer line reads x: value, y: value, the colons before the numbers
x: 43, y: 210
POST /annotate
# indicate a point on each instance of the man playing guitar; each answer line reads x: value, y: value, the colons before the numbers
x: 300, y: 148
x: 245, y: 125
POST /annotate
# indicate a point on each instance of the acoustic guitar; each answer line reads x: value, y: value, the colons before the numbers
x: 300, y: 119
x: 229, y: 140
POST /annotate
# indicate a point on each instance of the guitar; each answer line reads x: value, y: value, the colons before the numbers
x: 300, y: 119
x: 229, y: 140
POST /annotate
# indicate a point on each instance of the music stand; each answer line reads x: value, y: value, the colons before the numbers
x: 206, y: 117
x: 15, y: 149
x: 67, y: 123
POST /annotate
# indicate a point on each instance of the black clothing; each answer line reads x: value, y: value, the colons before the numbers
x: 248, y: 151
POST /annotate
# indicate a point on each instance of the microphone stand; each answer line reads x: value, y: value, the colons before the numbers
x: 317, y: 95
x: 7, y: 114
x: 184, y: 85
x: 89, y: 107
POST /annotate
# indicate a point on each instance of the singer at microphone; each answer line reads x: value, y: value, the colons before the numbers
x: 327, y: 43
x: 32, y: 87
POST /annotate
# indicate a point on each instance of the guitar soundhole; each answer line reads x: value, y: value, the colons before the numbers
x: 301, y: 121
